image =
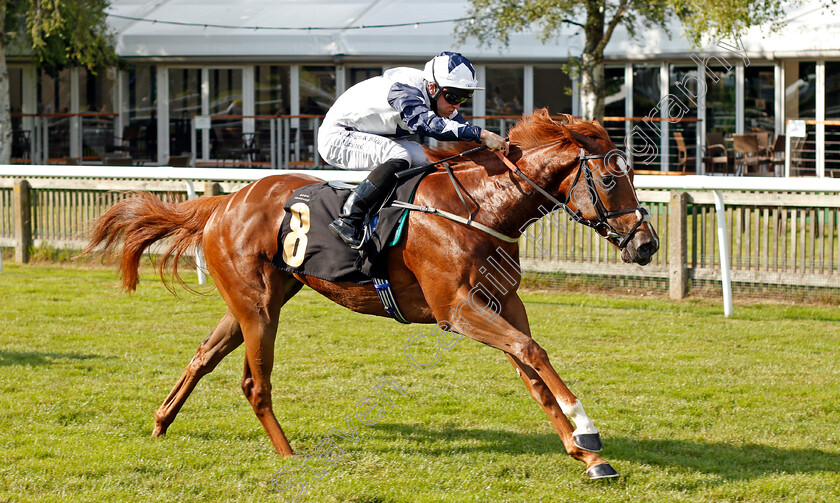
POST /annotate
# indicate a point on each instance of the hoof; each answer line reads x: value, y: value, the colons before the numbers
x: 602, y: 471
x: 589, y: 442
x: 158, y: 431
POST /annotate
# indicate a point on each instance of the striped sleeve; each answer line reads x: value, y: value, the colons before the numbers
x: 419, y: 118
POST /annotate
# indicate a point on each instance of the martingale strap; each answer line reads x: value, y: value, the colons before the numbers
x: 456, y: 218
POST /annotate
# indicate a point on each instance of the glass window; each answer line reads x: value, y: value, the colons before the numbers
x: 54, y: 98
x: 615, y: 92
x: 16, y: 90
x: 646, y: 97
x: 759, y: 98
x: 317, y: 89
x: 503, y: 97
x: 96, y: 96
x: 317, y: 94
x: 646, y: 92
x: 226, y: 100
x: 272, y: 92
x: 226, y: 92
x: 832, y: 112
x: 142, y: 111
x: 832, y: 89
x: 504, y: 90
x: 615, y: 96
x: 142, y: 92
x: 356, y: 75
x: 184, y: 103
x: 21, y: 140
x: 720, y: 100
x: 552, y: 89
x: 97, y: 91
x: 805, y: 90
x: 801, y: 103
x: 54, y: 92
x: 683, y: 134
x: 272, y: 98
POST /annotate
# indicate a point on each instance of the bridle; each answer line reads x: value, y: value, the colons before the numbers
x: 601, y: 223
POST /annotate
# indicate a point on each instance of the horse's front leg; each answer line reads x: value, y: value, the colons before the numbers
x: 596, y: 466
x: 503, y: 324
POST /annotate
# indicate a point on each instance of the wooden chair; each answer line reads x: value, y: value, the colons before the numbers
x: 683, y: 159
x: 21, y: 144
x: 716, y: 153
x: 777, y: 155
x: 237, y: 146
x: 127, y: 142
x: 764, y: 147
x: 117, y: 160
x: 747, y: 155
x: 179, y: 161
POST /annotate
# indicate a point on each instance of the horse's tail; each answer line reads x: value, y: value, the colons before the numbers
x: 140, y: 220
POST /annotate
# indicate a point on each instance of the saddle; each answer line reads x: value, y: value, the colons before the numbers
x: 306, y: 246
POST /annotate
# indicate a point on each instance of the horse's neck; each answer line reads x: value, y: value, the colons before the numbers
x: 507, y: 202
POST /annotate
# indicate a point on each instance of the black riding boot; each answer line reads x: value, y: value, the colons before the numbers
x: 348, y: 225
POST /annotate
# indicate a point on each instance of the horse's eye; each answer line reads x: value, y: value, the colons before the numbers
x: 608, y: 181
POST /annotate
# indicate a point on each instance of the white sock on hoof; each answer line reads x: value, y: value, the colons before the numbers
x: 577, y: 415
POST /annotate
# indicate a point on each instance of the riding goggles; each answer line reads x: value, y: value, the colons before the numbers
x: 456, y: 97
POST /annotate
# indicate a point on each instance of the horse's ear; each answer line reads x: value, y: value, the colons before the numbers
x: 581, y: 140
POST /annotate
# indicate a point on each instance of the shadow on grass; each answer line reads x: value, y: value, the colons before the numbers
x: 729, y: 462
x: 446, y: 440
x: 8, y: 358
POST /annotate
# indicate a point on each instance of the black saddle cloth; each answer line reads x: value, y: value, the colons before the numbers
x: 305, y: 244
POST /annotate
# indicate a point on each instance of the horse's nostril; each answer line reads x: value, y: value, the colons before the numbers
x: 647, y: 249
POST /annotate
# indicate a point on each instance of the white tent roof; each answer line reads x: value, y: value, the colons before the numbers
x: 144, y: 39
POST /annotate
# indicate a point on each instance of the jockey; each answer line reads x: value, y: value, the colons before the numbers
x: 368, y: 125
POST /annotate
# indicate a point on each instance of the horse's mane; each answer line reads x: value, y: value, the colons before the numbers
x: 533, y: 130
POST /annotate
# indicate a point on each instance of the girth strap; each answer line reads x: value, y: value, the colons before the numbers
x: 389, y: 302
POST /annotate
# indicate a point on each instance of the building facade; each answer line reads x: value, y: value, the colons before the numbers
x: 248, y: 83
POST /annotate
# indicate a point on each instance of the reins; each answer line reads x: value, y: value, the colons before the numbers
x: 420, y: 169
x: 600, y: 225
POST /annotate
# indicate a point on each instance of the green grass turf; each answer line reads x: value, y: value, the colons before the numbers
x: 692, y: 406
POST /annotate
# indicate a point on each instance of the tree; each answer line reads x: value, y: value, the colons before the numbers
x: 493, y: 21
x: 55, y: 34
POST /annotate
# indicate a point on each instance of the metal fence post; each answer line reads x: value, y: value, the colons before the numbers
x: 723, y: 247
x: 23, y: 221
x: 200, y: 265
x: 272, y: 135
x: 678, y: 245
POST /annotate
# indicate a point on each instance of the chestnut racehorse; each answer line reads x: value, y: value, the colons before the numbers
x: 238, y: 234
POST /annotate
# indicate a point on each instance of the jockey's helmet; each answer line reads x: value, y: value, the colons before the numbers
x: 451, y: 70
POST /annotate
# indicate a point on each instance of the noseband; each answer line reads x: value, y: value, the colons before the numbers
x: 600, y: 223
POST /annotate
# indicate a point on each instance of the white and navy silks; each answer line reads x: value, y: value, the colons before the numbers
x: 368, y: 124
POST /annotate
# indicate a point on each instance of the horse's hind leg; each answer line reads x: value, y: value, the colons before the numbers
x: 260, y: 330
x: 256, y: 384
x: 226, y: 337
x: 257, y: 306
